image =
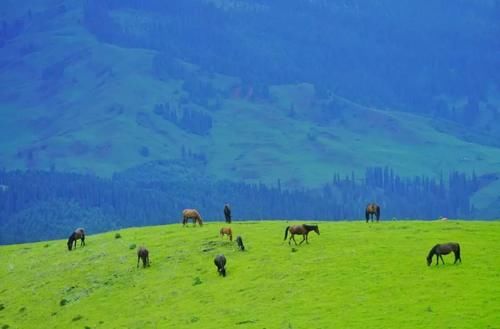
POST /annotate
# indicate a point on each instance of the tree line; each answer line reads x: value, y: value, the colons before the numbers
x: 40, y: 205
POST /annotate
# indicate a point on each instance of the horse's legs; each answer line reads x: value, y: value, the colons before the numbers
x: 303, y: 238
x: 138, y: 258
x: 293, y: 237
x: 83, y: 241
x: 442, y: 260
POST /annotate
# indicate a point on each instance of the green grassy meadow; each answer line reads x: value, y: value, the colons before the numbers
x: 354, y: 275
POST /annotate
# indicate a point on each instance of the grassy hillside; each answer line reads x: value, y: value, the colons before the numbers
x: 354, y: 275
x: 76, y: 103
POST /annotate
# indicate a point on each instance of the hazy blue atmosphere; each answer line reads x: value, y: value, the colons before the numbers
x: 117, y: 113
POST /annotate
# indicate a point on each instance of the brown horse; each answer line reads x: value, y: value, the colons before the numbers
x: 143, y: 253
x: 191, y: 214
x: 79, y: 233
x: 371, y: 210
x: 227, y: 231
x: 444, y: 249
x: 303, y: 229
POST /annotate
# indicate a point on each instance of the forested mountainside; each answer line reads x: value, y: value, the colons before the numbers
x: 250, y: 93
x: 42, y: 205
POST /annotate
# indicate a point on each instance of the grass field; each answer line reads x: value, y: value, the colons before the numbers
x: 354, y: 275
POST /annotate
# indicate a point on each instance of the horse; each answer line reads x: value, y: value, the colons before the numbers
x: 79, y: 233
x: 220, y: 262
x: 303, y: 229
x: 227, y: 231
x: 191, y: 214
x: 143, y: 253
x: 372, y: 209
x: 444, y: 249
x: 239, y: 241
x: 227, y: 213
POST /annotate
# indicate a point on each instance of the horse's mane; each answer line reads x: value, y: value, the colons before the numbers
x: 310, y: 227
x: 432, y: 251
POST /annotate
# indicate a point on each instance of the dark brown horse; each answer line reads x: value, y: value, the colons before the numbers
x: 79, y: 233
x: 372, y: 209
x: 227, y: 213
x: 191, y: 214
x: 303, y: 229
x: 239, y: 241
x: 220, y: 262
x: 227, y: 231
x: 444, y: 249
x: 143, y: 253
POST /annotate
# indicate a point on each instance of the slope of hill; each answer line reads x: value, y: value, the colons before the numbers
x: 353, y: 275
x: 77, y: 96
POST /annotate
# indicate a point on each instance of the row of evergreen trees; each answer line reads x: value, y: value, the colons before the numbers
x: 39, y: 205
x: 193, y: 121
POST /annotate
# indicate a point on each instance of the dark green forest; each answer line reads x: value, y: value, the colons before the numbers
x: 40, y: 205
x: 379, y: 53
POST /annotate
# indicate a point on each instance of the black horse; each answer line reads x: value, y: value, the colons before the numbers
x: 372, y: 209
x: 227, y: 213
x: 220, y: 262
x: 143, y: 253
x: 79, y: 233
x: 239, y: 241
x: 444, y: 249
x: 303, y: 229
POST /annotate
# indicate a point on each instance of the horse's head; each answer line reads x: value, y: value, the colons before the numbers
x: 316, y: 229
x: 222, y: 271
x: 429, y: 260
x: 70, y: 244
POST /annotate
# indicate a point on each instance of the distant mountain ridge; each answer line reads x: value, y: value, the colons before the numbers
x: 252, y: 91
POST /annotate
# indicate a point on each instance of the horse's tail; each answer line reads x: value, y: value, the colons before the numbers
x: 286, y: 232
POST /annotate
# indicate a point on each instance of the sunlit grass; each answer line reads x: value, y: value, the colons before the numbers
x: 354, y: 275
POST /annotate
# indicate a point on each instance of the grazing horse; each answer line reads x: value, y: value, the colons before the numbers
x: 300, y: 229
x: 143, y: 253
x: 372, y: 209
x: 79, y: 233
x: 191, y: 214
x: 444, y: 249
x: 220, y: 262
x: 227, y: 213
x: 239, y: 241
x: 227, y: 231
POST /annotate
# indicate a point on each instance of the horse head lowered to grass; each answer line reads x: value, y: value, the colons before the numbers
x: 191, y: 214
x: 444, y: 249
x: 79, y: 233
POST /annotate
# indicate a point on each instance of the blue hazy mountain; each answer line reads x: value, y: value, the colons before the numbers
x: 252, y: 91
